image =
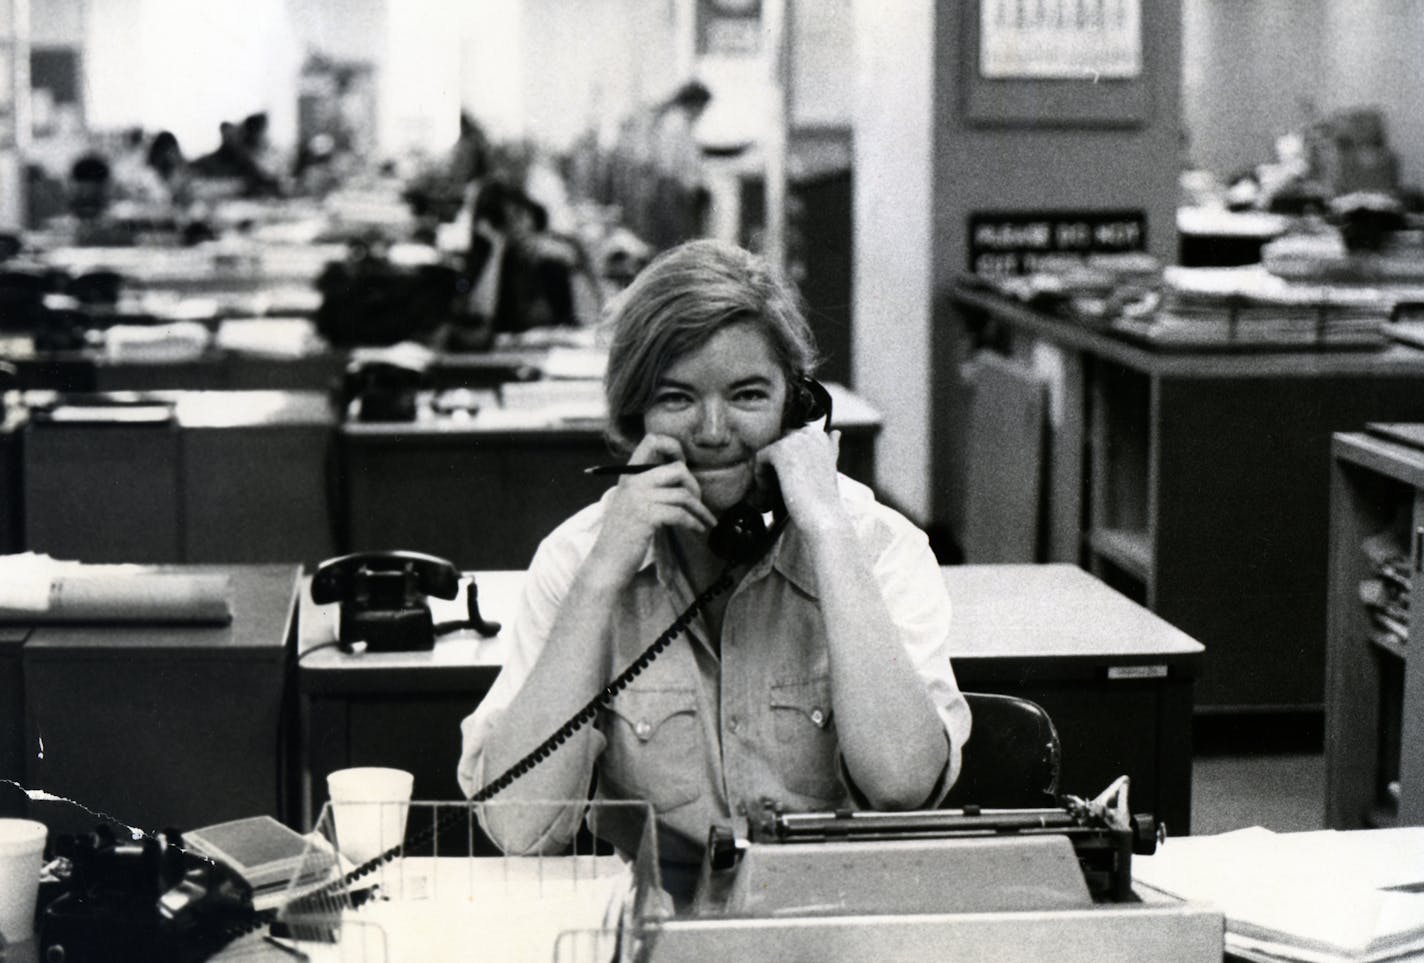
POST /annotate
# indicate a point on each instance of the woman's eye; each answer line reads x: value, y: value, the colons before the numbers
x: 750, y: 396
x: 670, y: 400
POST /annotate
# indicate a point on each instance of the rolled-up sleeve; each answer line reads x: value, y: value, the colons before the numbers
x: 914, y: 591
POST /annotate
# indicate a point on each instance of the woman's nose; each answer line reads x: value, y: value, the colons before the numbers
x: 712, y: 425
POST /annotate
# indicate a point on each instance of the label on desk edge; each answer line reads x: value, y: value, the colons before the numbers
x: 1137, y: 672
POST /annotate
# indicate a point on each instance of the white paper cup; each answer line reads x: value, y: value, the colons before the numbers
x: 369, y: 804
x: 22, y: 843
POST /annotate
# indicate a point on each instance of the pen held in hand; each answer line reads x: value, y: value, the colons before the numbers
x: 637, y: 469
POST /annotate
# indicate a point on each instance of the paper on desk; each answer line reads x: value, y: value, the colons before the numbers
x: 37, y: 588
x: 512, y: 919
x: 575, y: 362
x: 1312, y: 896
x: 25, y: 581
x: 277, y: 337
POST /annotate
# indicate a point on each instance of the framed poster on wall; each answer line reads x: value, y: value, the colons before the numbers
x: 1060, y: 39
x: 1065, y: 63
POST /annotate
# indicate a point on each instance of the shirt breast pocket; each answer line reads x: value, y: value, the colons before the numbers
x: 806, y: 742
x: 654, y: 747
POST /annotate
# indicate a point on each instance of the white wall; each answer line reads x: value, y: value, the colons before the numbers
x: 567, y: 67
x: 822, y: 60
x: 56, y: 22
x: 893, y: 168
x: 418, y: 106
x: 15, y: 31
x: 491, y: 65
x: 1255, y: 69
x: 187, y: 66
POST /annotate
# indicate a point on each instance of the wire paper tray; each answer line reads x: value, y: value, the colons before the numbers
x: 434, y: 894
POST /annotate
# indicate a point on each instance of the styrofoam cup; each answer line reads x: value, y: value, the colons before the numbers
x: 369, y: 805
x: 22, y: 843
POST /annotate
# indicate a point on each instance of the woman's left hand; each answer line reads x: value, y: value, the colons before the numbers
x: 804, y: 463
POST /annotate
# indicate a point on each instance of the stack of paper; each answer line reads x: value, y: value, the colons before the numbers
x: 1320, y: 896
x: 1251, y: 307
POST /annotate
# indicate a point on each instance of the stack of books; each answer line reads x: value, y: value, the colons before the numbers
x: 265, y: 853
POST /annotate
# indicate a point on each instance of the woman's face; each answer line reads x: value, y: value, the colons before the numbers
x: 723, y: 402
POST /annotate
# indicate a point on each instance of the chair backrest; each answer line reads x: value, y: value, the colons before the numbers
x: 1012, y: 758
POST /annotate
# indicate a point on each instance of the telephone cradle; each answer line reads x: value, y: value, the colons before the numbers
x: 383, y: 599
x: 150, y: 900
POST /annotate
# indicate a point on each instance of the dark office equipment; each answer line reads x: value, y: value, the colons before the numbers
x: 382, y: 596
x: 97, y: 287
x: 367, y: 300
x: 138, y: 901
x: 22, y: 293
x: 382, y: 391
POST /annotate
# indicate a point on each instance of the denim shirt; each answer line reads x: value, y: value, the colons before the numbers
x: 714, y: 734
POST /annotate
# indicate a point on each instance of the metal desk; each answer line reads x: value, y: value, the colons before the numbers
x: 1116, y: 679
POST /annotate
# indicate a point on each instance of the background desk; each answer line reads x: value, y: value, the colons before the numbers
x: 1116, y: 680
x: 166, y: 725
x: 483, y: 492
x: 234, y: 477
x: 1198, y: 482
x: 273, y: 476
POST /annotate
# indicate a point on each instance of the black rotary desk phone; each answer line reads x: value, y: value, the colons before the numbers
x: 741, y: 537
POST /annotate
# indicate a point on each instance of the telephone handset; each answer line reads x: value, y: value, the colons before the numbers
x: 382, y: 596
x: 383, y: 390
x: 741, y: 536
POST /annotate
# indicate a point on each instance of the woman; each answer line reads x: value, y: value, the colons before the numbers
x: 821, y: 680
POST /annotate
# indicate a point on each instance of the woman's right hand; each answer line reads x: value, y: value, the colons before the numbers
x: 667, y: 495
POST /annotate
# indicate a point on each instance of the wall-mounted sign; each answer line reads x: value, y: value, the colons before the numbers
x: 728, y: 27
x: 1060, y: 39
x: 1018, y: 242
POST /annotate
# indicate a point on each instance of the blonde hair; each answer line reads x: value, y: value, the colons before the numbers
x: 675, y: 305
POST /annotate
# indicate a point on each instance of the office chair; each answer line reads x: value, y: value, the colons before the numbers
x: 1012, y: 758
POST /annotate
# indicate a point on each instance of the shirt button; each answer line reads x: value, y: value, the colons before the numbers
x: 741, y: 809
x: 734, y: 723
x: 818, y: 717
x: 643, y: 728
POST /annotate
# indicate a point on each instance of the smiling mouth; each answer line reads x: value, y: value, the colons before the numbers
x: 715, y: 470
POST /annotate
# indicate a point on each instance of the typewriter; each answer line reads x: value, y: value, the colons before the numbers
x: 1043, y: 883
